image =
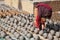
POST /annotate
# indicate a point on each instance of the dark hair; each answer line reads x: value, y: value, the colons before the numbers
x: 44, y: 12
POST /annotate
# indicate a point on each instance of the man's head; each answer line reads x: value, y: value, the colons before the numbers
x: 45, y: 13
x: 44, y: 10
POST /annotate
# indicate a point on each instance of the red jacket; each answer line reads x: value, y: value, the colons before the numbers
x: 38, y: 18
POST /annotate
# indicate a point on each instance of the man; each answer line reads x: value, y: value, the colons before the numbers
x: 41, y: 13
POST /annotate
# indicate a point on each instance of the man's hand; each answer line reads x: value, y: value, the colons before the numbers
x: 43, y: 26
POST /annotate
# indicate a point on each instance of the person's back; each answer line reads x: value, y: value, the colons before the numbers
x: 42, y: 11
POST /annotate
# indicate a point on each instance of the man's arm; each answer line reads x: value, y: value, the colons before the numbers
x: 35, y: 12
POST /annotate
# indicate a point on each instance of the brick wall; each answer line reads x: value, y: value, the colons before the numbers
x: 56, y: 8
